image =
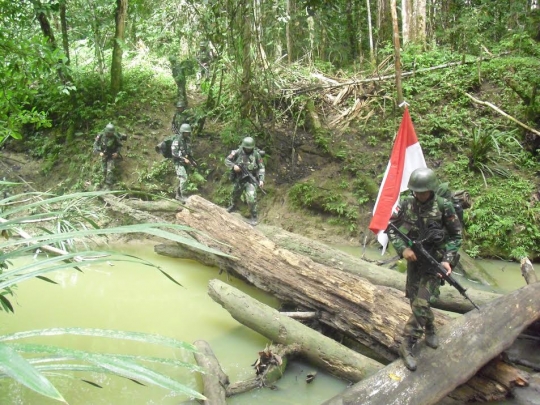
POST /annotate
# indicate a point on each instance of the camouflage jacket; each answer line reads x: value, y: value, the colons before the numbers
x: 417, y: 220
x: 253, y: 162
x: 107, y: 144
x: 184, y: 117
x: 180, y: 148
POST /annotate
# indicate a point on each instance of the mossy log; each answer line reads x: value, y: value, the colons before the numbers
x: 313, y: 346
x: 215, y: 381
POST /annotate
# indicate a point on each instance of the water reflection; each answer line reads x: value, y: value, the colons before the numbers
x: 126, y: 296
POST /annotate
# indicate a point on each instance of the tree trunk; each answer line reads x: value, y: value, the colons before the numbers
x: 288, y: 34
x: 63, y: 22
x: 450, y: 300
x: 370, y: 34
x: 245, y: 83
x: 397, y: 57
x: 116, y: 65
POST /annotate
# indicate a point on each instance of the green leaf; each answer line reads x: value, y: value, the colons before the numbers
x: 21, y: 371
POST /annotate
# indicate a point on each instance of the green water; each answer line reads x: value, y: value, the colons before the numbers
x: 132, y: 297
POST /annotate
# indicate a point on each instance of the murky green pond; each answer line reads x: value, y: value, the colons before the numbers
x: 139, y: 298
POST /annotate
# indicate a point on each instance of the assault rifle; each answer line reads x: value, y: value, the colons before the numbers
x: 420, y: 250
x: 246, y: 173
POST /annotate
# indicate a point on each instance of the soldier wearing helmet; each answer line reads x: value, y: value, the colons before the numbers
x: 181, y: 154
x: 428, y: 217
x: 179, y: 71
x: 108, y: 144
x: 247, y: 174
x: 204, y: 57
x: 182, y: 116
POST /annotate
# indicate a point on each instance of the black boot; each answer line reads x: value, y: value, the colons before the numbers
x: 180, y: 196
x: 231, y: 208
x: 405, y: 351
x: 254, y: 219
x: 431, y: 338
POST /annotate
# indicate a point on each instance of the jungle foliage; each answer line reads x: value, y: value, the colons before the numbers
x: 280, y: 66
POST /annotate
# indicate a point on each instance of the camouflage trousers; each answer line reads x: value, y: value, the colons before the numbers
x: 422, y: 289
x: 108, y: 169
x: 250, y: 193
x: 181, y: 173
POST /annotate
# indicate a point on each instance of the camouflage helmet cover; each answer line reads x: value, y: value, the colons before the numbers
x: 185, y: 128
x: 181, y: 104
x: 109, y: 128
x: 248, y: 143
x: 422, y: 180
x: 202, y: 44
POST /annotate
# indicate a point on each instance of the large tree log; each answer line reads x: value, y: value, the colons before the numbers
x: 450, y: 300
x: 466, y: 345
x: 372, y: 315
x: 315, y: 347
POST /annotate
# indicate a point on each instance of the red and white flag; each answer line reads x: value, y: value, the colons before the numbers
x: 406, y: 157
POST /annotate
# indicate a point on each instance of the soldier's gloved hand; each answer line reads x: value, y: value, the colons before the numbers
x: 448, y: 268
x: 409, y: 255
x: 237, y: 169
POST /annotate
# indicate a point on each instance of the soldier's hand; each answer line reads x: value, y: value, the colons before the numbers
x: 409, y: 255
x: 261, y: 184
x: 448, y: 268
x: 186, y: 161
x: 100, y: 153
x: 114, y: 155
x: 237, y: 169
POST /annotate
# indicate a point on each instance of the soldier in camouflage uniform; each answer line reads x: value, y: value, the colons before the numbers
x: 424, y: 216
x: 179, y: 74
x: 204, y: 56
x: 181, y: 153
x: 108, y: 145
x: 181, y: 116
x: 249, y: 158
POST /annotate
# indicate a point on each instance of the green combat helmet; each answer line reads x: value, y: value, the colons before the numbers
x: 109, y: 128
x: 248, y: 143
x: 423, y: 179
x: 185, y: 128
x: 181, y: 104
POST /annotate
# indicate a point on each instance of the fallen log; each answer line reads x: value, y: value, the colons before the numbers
x: 215, y: 381
x: 313, y: 346
x: 450, y: 300
x: 466, y: 345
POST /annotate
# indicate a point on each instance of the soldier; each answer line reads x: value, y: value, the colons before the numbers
x: 181, y: 154
x: 179, y: 74
x: 430, y: 218
x: 108, y: 145
x: 204, y: 56
x: 181, y: 116
x: 247, y: 174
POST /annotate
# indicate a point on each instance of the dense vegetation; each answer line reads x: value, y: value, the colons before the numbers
x: 71, y: 66
x: 289, y: 72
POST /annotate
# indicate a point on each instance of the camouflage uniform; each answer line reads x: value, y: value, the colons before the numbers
x: 181, y: 150
x: 182, y: 116
x: 204, y: 56
x: 415, y: 219
x: 251, y: 160
x: 179, y: 74
x: 109, y: 144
